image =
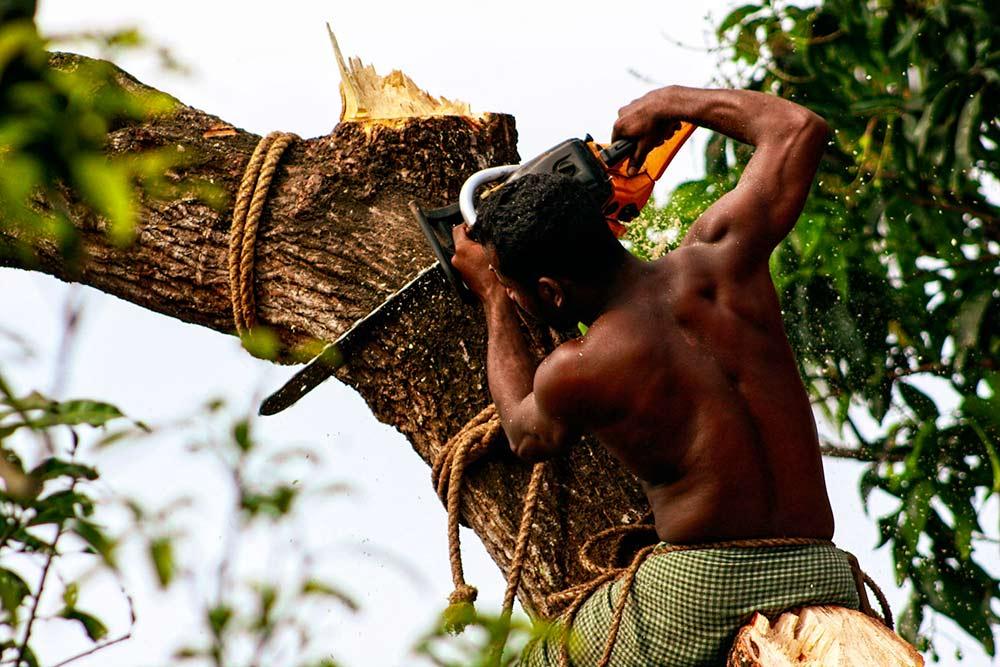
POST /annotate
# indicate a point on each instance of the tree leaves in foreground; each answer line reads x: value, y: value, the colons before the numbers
x: 54, y: 124
x: 889, y: 282
x: 47, y: 515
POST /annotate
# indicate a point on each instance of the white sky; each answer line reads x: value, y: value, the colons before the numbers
x: 561, y: 69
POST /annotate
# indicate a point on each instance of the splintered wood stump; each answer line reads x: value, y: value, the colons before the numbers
x: 822, y: 636
x: 336, y: 239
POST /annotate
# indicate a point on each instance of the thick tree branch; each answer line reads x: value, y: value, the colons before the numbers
x: 337, y: 238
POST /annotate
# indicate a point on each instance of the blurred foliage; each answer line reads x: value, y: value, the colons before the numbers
x: 258, y: 615
x: 481, y: 637
x: 54, y: 125
x: 50, y: 514
x: 889, y: 282
x: 43, y: 507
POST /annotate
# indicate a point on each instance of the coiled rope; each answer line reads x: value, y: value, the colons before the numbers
x: 250, y: 200
x: 469, y: 445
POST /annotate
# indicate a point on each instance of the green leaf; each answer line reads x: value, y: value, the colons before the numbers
x: 968, y: 323
x: 917, y: 511
x: 967, y: 132
x: 261, y: 342
x: 930, y: 119
x: 13, y: 590
x: 241, y: 435
x: 908, y: 625
x: 267, y: 596
x: 68, y: 413
x: 71, y: 594
x: 52, y: 468
x: 906, y: 39
x: 276, y: 503
x: 95, y: 538
x: 921, y: 404
x: 990, y: 445
x: 218, y: 618
x: 106, y: 186
x: 161, y: 553
x: 60, y: 506
x: 94, y: 628
x: 29, y: 657
x: 316, y: 587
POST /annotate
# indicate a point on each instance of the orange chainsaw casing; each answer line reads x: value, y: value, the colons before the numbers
x: 636, y: 190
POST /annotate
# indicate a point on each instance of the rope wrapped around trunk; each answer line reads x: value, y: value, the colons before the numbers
x: 250, y: 200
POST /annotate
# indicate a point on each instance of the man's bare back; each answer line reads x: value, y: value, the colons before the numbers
x: 699, y: 396
x: 685, y: 374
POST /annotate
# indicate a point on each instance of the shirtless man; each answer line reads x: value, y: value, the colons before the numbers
x: 685, y: 375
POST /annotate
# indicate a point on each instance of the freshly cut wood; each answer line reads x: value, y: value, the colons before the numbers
x: 366, y: 95
x: 336, y: 239
x: 822, y: 636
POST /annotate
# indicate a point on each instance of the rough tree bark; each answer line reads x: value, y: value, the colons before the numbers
x: 337, y: 238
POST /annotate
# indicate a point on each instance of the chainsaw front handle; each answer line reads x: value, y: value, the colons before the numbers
x: 467, y: 196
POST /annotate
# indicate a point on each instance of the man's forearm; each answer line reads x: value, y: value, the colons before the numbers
x: 744, y: 115
x: 509, y: 363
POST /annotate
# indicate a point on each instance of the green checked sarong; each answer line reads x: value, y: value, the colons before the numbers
x: 685, y: 607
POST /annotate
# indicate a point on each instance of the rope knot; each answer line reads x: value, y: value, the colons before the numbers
x: 463, y: 594
x: 460, y: 612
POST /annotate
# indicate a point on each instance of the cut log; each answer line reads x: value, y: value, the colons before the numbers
x: 822, y: 636
x: 336, y: 239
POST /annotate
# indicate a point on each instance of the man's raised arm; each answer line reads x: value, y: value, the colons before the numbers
x: 752, y: 219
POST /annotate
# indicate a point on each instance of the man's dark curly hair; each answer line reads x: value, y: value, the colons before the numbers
x: 547, y: 225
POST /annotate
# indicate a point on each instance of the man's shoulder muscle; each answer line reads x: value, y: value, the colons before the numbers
x: 573, y: 382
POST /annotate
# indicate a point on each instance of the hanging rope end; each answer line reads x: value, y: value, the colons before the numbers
x: 461, y: 611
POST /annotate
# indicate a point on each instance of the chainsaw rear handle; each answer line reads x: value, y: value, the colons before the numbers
x: 616, y: 152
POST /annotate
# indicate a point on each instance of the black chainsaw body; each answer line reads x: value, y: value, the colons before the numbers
x: 572, y: 158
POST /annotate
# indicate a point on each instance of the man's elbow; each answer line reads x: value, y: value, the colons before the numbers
x: 812, y: 129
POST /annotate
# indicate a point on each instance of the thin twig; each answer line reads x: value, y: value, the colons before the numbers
x: 95, y: 649
x: 71, y: 315
x: 22, y: 649
x: 985, y: 216
x: 700, y: 49
x: 787, y: 77
x: 865, y: 454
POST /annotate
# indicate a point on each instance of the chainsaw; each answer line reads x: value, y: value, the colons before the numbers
x: 601, y: 169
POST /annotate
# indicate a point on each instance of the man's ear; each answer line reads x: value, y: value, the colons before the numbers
x: 551, y: 292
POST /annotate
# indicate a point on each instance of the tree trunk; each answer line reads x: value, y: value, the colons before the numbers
x: 336, y: 239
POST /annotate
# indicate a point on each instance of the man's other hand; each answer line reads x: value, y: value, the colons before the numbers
x: 471, y: 261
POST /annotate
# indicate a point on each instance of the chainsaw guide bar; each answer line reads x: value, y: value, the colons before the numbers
x: 339, y: 352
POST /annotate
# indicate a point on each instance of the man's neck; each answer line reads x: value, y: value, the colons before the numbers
x: 601, y: 295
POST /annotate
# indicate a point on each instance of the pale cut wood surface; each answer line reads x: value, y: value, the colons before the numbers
x: 822, y: 636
